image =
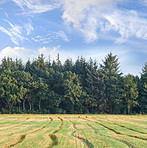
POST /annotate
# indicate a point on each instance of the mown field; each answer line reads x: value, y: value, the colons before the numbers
x: 73, y: 131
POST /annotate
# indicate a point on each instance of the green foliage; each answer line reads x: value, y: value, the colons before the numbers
x: 41, y: 86
x: 131, y: 93
x: 10, y: 93
x: 111, y: 79
x: 143, y: 91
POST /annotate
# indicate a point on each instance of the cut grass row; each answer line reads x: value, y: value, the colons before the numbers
x: 73, y: 131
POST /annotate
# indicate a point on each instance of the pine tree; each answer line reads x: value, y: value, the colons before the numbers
x: 142, y: 99
x: 131, y: 93
x: 110, y: 74
x: 68, y: 64
x: 10, y: 93
x: 91, y: 101
x: 72, y: 91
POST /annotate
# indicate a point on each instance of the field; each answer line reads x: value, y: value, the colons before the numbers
x: 73, y: 131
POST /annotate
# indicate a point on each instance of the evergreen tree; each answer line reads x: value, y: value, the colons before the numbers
x: 68, y: 65
x: 131, y: 93
x: 92, y: 99
x: 10, y: 93
x: 24, y: 79
x: 110, y: 75
x: 142, y: 99
x: 80, y: 68
x: 144, y: 70
x: 72, y: 91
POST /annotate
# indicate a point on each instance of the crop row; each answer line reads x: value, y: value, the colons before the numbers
x: 73, y: 131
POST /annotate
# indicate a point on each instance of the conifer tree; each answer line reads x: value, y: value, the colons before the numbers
x: 143, y: 90
x: 130, y: 92
x: 110, y: 74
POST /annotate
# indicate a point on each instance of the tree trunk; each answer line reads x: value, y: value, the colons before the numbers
x: 128, y: 109
x: 10, y: 108
x: 24, y: 109
x: 30, y: 103
x: 39, y: 105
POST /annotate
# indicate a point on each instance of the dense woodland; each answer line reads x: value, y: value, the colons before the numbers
x: 45, y: 86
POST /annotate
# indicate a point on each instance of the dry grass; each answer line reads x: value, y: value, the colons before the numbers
x: 73, y: 131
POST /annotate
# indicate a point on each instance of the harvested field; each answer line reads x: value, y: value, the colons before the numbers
x: 73, y: 131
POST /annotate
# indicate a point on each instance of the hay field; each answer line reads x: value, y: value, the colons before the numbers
x: 73, y: 131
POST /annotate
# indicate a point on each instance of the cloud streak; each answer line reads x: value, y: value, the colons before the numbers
x: 16, y: 31
x: 84, y: 15
x: 58, y: 36
x: 93, y: 17
x: 128, y: 24
x: 35, y: 6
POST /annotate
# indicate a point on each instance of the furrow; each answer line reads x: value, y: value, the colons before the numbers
x: 111, y: 129
x: 124, y: 127
x: 22, y: 137
x: 53, y: 136
x: 120, y: 140
x: 85, y: 141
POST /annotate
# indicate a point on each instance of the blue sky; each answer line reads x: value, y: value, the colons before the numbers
x: 89, y: 28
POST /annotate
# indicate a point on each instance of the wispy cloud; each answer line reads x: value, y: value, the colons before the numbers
x: 35, y: 6
x: 16, y: 31
x: 6, y: 14
x: 60, y: 35
x: 93, y: 17
x: 84, y: 15
x: 128, y: 24
x: 28, y: 27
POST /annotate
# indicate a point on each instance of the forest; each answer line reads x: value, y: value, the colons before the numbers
x: 80, y: 87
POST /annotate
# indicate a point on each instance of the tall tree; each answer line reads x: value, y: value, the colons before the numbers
x: 24, y: 79
x: 130, y: 92
x: 142, y: 99
x: 10, y: 93
x: 80, y: 68
x: 91, y: 101
x: 72, y: 91
x: 68, y: 64
x: 110, y: 75
x: 41, y: 92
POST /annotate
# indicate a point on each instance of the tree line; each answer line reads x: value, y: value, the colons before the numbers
x: 45, y: 86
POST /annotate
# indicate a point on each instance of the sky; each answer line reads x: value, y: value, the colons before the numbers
x: 72, y: 28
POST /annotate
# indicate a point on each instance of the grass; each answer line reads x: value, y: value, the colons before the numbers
x: 73, y: 131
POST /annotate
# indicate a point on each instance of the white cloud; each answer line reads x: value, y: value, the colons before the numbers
x: 59, y: 35
x: 94, y: 17
x: 35, y: 6
x: 16, y: 32
x: 17, y: 52
x: 6, y: 14
x: 62, y: 35
x: 25, y: 54
x: 84, y: 15
x: 128, y: 24
x: 52, y: 51
x: 29, y: 28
